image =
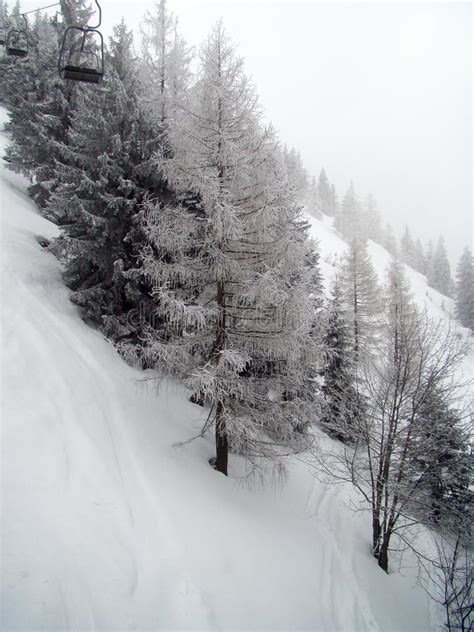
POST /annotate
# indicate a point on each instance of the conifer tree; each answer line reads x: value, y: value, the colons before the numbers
x: 389, y: 240
x: 230, y: 277
x: 361, y: 296
x: 312, y: 200
x: 439, y: 274
x: 166, y: 63
x: 407, y: 248
x: 342, y: 399
x: 102, y: 178
x: 348, y: 221
x: 325, y: 194
x: 372, y: 220
x: 464, y: 292
x: 419, y: 257
x: 334, y: 202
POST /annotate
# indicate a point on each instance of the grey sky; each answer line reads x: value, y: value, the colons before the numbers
x: 380, y: 93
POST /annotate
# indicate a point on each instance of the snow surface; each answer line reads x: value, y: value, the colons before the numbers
x: 107, y: 525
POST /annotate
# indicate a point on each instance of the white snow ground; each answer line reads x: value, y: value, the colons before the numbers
x: 106, y: 526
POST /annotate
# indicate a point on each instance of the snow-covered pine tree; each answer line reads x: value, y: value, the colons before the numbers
x: 441, y: 460
x: 313, y: 202
x: 342, y: 399
x: 407, y: 249
x: 42, y: 104
x: 372, y: 220
x: 419, y: 257
x: 464, y: 292
x: 389, y: 241
x: 165, y: 72
x: 324, y: 193
x: 103, y: 176
x: 361, y: 295
x: 400, y: 310
x: 334, y: 201
x: 296, y: 173
x: 439, y: 274
x: 348, y: 221
x: 230, y: 277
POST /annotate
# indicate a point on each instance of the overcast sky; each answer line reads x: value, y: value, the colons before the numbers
x: 380, y: 93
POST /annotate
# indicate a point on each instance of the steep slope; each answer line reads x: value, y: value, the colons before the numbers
x: 106, y: 525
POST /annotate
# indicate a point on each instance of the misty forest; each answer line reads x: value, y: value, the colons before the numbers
x: 236, y: 398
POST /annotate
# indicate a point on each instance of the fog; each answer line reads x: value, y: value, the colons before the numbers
x: 375, y: 92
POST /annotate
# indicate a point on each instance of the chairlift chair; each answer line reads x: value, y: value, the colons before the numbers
x: 82, y: 53
x: 17, y: 40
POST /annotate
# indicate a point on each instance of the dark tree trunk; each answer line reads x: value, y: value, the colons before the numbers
x: 222, y: 446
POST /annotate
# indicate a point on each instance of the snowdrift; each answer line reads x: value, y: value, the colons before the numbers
x: 107, y: 525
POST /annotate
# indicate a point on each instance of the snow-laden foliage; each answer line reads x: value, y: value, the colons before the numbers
x: 233, y: 275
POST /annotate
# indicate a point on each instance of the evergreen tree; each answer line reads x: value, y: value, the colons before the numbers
x: 230, y: 277
x: 312, y: 200
x: 348, y: 221
x: 419, y: 257
x: 464, y: 292
x: 441, y: 461
x: 296, y: 174
x: 372, y: 220
x: 439, y: 274
x: 361, y: 296
x: 400, y: 311
x: 334, y: 202
x: 407, y: 249
x: 325, y: 194
x: 389, y: 240
x: 103, y: 176
x: 342, y: 400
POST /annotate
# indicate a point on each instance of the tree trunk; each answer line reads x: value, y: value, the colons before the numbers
x: 222, y: 447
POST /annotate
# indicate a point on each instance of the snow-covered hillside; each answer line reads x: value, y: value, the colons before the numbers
x: 107, y: 525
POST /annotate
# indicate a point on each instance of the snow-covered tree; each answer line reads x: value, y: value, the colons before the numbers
x: 349, y: 222
x: 361, y: 295
x: 398, y: 303
x: 312, y: 199
x: 230, y: 275
x: 324, y: 194
x: 296, y: 173
x: 342, y: 398
x: 372, y: 220
x: 464, y: 290
x: 102, y: 177
x: 439, y: 273
x: 389, y: 241
x: 388, y: 446
x: 419, y: 257
x: 166, y: 63
x: 334, y: 201
x: 407, y: 248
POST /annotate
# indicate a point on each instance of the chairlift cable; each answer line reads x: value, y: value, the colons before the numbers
x: 56, y: 4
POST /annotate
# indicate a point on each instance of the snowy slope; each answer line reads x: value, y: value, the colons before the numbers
x: 106, y: 525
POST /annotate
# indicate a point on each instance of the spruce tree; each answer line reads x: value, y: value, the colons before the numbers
x: 349, y: 222
x: 342, y: 399
x: 102, y: 177
x: 324, y: 194
x: 407, y: 249
x: 464, y: 292
x: 439, y: 274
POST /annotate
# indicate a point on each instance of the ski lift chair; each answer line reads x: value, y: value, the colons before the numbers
x: 17, y: 40
x: 82, y: 53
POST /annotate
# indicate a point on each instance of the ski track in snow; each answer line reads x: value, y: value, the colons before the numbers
x: 105, y: 526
